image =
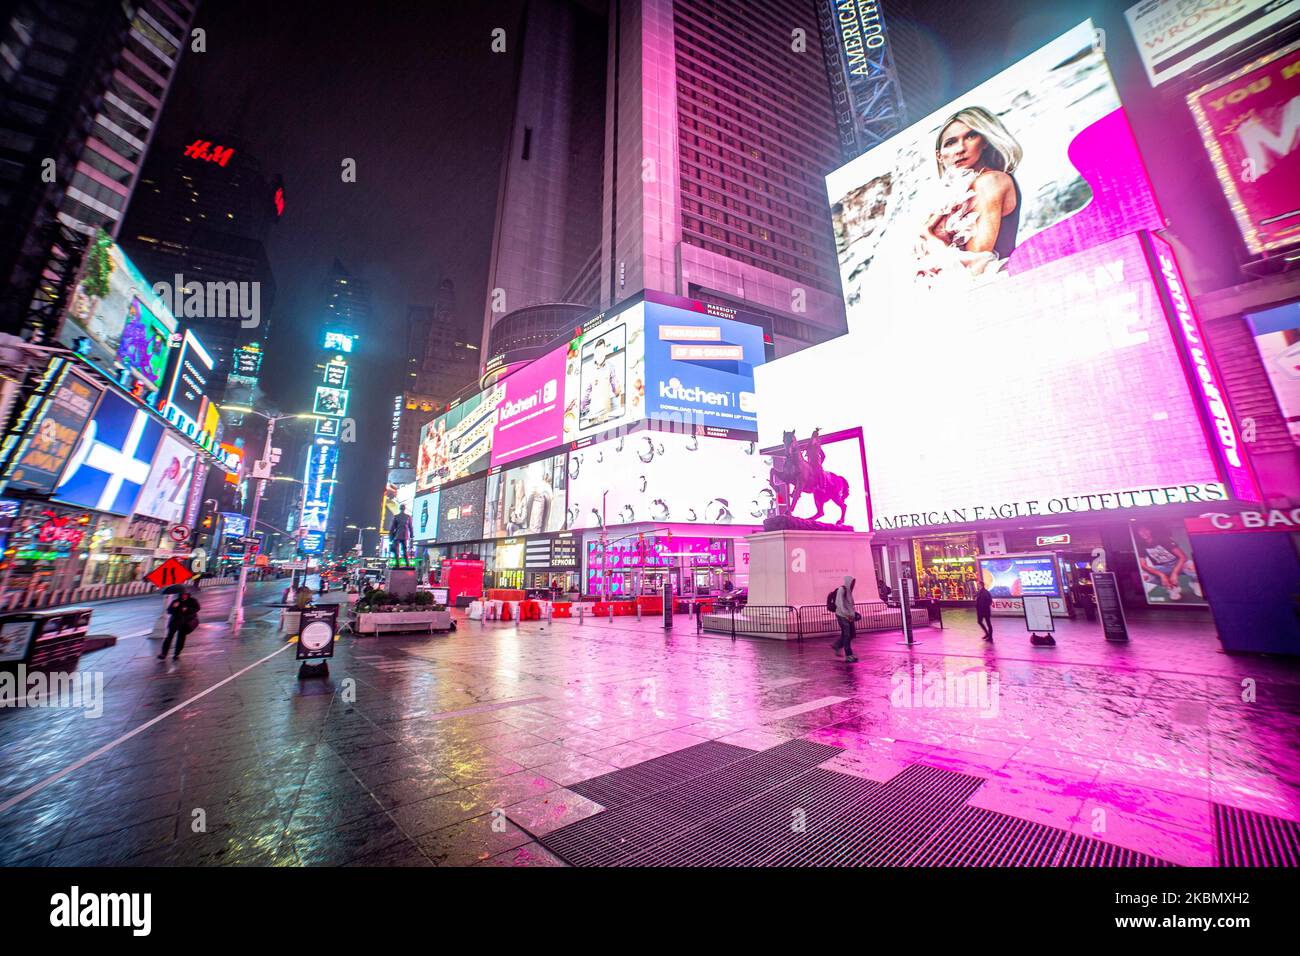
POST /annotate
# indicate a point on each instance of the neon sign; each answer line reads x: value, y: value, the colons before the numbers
x: 203, y: 149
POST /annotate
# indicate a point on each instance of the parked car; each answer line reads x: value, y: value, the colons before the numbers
x: 727, y: 600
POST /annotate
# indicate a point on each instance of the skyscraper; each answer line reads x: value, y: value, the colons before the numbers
x: 718, y: 131
x: 207, y: 220
x: 82, y: 84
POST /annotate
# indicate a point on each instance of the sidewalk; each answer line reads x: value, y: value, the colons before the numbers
x: 404, y: 754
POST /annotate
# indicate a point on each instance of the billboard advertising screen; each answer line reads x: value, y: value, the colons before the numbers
x: 461, y: 511
x: 604, y: 379
x: 121, y: 322
x: 700, y: 369
x: 53, y: 433
x: 1018, y: 575
x: 318, y: 490
x: 336, y: 374
x: 458, y: 443
x: 331, y: 401
x: 424, y: 517
x: 1250, y: 124
x: 112, y: 460
x: 664, y: 476
x: 166, y: 490
x: 530, y: 417
x: 526, y: 498
x: 1277, y: 336
x: 1164, y: 557
x: 189, y: 385
x: 1010, y: 347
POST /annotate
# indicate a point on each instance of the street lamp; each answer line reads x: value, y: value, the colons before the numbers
x: 263, y: 465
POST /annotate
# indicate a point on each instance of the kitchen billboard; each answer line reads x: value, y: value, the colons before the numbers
x: 604, y: 379
x: 700, y: 369
x: 530, y: 416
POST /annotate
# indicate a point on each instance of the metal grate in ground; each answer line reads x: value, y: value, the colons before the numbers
x: 764, y: 826
x: 890, y: 825
x: 612, y: 835
x: 1079, y: 850
x: 1248, y: 838
x: 980, y: 837
x: 641, y: 780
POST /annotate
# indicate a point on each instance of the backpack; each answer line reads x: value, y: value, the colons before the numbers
x: 830, y: 600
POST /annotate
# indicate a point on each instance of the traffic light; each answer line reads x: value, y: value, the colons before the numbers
x: 207, y: 522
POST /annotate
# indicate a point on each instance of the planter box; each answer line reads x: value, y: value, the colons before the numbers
x: 400, y: 622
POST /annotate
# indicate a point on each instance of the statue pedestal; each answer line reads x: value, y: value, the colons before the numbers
x: 800, y: 567
x: 401, y: 582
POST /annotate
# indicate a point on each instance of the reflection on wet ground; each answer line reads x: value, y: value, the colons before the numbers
x: 459, y: 749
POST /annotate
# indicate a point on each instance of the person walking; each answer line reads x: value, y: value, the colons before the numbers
x: 847, y: 615
x: 184, y: 614
x: 984, y: 611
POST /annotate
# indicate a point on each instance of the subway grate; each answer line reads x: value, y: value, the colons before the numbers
x: 659, y: 773
x: 981, y: 837
x: 1081, y: 851
x: 1250, y: 838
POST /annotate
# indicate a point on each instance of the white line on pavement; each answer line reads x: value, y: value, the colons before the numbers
x: 55, y: 778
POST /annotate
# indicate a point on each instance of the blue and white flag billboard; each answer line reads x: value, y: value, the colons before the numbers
x: 111, y: 462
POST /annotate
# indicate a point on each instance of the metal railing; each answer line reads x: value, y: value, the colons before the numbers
x: 807, y: 620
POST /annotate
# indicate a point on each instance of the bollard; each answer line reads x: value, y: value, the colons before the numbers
x: 638, y: 612
x: 611, y: 612
x: 582, y: 614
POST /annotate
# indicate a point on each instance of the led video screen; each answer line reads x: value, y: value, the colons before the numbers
x: 604, y: 379
x: 527, y: 499
x: 700, y: 369
x: 530, y: 417
x: 458, y: 443
x: 166, y: 490
x: 460, y: 510
x: 111, y: 462
x: 424, y: 517
x: 53, y: 432
x: 1010, y: 350
x: 129, y: 326
x: 664, y: 476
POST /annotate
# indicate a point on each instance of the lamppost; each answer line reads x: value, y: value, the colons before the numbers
x: 261, y: 471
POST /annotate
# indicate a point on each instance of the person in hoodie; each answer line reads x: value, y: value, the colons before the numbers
x: 847, y: 615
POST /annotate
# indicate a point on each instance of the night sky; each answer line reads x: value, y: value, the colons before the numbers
x: 413, y: 93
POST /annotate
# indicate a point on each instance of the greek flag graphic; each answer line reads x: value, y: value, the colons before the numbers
x: 111, y: 463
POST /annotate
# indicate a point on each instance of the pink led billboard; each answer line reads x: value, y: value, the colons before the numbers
x: 530, y: 418
x: 1013, y: 342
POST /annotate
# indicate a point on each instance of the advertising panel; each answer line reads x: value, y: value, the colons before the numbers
x: 1277, y: 336
x: 189, y: 385
x: 700, y: 369
x: 166, y: 490
x: 318, y: 490
x: 564, y: 551
x: 604, y: 380
x: 311, y: 542
x: 458, y: 443
x: 248, y: 361
x: 461, y: 511
x: 664, y: 476
x: 234, y: 524
x: 336, y: 374
x: 112, y: 460
x: 530, y: 417
x: 1173, y: 36
x: 510, y: 555
x: 1250, y: 124
x: 648, y: 551
x: 424, y: 517
x: 1164, y: 557
x: 328, y: 427
x: 129, y: 326
x: 339, y: 342
x: 54, y: 429
x: 331, y: 401
x: 1016, y: 575
x: 1050, y: 309
x: 527, y: 499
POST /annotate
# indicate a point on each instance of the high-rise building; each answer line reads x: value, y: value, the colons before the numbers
x: 347, y: 301
x: 82, y: 84
x: 107, y: 170
x: 203, y: 211
x: 718, y: 132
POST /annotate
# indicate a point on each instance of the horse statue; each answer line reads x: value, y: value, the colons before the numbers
x: 803, y: 474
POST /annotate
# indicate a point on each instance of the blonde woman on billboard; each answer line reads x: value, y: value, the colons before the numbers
x: 970, y: 226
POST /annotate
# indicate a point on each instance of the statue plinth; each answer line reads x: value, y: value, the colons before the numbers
x: 800, y: 567
x: 401, y: 582
x: 791, y: 523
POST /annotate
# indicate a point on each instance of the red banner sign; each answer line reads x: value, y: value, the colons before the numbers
x: 1250, y: 122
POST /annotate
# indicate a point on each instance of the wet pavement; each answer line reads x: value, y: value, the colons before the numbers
x: 459, y: 749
